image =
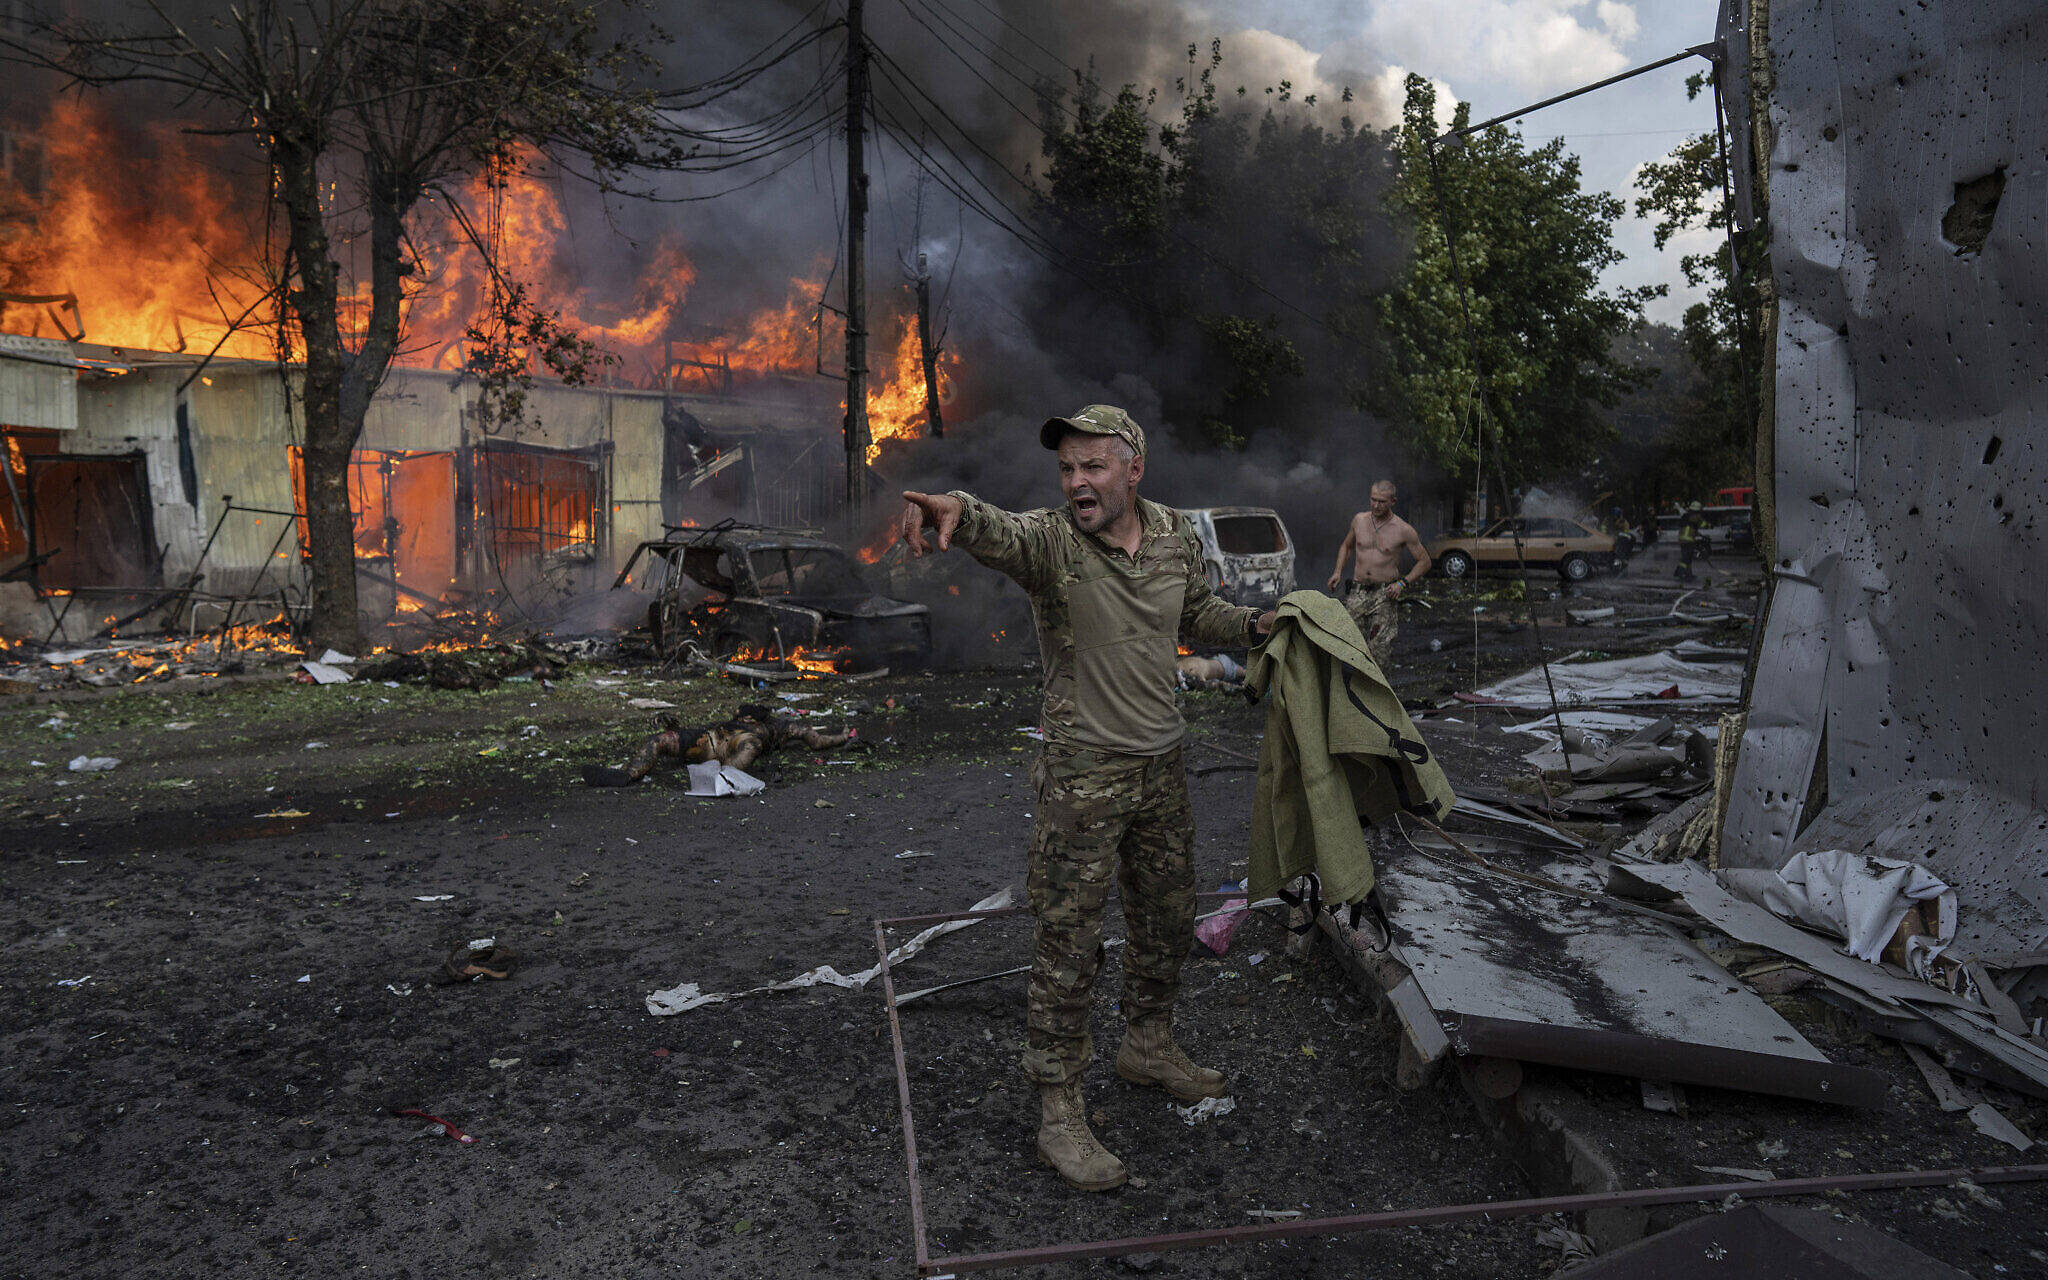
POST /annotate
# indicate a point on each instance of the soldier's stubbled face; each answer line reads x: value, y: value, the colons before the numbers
x: 1099, y: 475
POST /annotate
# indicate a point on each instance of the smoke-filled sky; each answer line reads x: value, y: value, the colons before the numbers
x: 971, y: 55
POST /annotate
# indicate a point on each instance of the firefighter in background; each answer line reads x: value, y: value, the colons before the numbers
x: 1691, y: 541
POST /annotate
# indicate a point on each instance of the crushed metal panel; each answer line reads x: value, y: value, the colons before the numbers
x: 1989, y: 848
x: 1781, y: 733
x: 1512, y: 971
x: 1908, y: 210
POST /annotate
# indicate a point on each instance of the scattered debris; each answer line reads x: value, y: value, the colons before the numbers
x: 435, y: 1124
x: 1747, y: 1175
x: 714, y: 779
x: 1207, y: 1109
x: 1674, y: 677
x: 482, y: 958
x: 687, y: 996
x: 93, y: 764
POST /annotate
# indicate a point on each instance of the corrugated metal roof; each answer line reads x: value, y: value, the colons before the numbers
x: 38, y: 383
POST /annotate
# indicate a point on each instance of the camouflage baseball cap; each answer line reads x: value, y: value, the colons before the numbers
x: 1095, y: 420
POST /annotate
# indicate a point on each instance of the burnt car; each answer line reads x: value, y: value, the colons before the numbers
x: 1246, y: 553
x: 744, y: 592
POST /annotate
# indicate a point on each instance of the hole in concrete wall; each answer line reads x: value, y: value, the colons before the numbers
x: 1991, y: 450
x: 1967, y: 224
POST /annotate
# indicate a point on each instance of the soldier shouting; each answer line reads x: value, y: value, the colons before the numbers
x: 1114, y: 581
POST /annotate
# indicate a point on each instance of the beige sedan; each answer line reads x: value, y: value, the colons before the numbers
x: 1575, y: 550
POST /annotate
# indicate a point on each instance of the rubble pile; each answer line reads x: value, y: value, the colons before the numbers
x: 126, y: 662
x: 481, y: 667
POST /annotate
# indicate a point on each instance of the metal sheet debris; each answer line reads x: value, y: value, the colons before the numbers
x: 1510, y: 971
x: 1748, y: 922
x: 1623, y: 680
x: 1909, y: 425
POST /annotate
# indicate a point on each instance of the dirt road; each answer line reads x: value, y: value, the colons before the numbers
x: 215, y: 994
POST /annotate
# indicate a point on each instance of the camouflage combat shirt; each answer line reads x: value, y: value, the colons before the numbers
x: 1107, y: 622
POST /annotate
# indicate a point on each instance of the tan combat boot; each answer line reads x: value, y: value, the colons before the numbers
x: 1065, y: 1142
x: 1148, y: 1055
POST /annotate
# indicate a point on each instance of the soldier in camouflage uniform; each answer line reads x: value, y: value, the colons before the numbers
x: 1115, y: 581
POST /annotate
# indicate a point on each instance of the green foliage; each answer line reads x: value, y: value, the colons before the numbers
x: 1526, y: 354
x: 1242, y: 248
x: 1683, y: 192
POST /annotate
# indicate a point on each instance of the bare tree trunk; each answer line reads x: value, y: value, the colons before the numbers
x: 330, y: 522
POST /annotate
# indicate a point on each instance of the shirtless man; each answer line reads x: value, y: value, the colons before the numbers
x: 1372, y: 598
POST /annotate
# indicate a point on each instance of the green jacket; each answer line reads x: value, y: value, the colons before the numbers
x: 1108, y: 622
x: 1339, y: 751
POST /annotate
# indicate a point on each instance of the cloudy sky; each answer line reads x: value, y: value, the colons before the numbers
x: 1500, y: 55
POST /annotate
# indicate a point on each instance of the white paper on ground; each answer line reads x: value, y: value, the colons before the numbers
x: 714, y: 779
x: 325, y: 673
x: 1206, y: 1109
x: 687, y: 996
x: 333, y: 659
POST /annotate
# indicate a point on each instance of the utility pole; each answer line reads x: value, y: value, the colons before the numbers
x: 856, y: 256
x: 930, y: 343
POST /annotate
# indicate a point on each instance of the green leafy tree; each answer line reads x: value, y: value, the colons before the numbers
x: 1241, y: 244
x: 1684, y: 192
x: 1522, y: 358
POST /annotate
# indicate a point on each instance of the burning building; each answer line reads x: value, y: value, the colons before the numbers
x: 138, y: 475
x: 153, y: 434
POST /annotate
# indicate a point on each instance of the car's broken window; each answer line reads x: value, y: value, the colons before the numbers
x: 1249, y: 536
x: 805, y: 571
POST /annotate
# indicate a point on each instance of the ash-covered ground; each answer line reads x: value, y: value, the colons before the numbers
x: 216, y: 991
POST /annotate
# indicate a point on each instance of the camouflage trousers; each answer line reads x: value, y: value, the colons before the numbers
x: 1377, y: 611
x: 1101, y: 815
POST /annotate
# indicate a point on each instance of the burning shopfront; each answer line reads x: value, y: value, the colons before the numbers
x: 153, y: 431
x: 139, y: 476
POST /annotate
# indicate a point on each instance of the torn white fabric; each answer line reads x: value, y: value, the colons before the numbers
x: 1854, y: 896
x: 714, y: 779
x: 1587, y: 684
x: 687, y: 996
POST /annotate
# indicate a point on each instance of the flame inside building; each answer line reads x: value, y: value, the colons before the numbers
x: 119, y: 281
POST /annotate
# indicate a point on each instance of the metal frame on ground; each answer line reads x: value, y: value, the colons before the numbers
x: 951, y: 1264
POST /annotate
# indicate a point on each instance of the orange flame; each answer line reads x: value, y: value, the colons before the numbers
x: 803, y: 658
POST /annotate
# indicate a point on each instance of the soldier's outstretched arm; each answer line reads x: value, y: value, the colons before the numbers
x: 1020, y: 546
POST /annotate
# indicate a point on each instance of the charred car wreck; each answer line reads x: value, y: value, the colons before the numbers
x: 743, y: 592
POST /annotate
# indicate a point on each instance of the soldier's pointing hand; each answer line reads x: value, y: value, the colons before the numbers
x: 937, y: 511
